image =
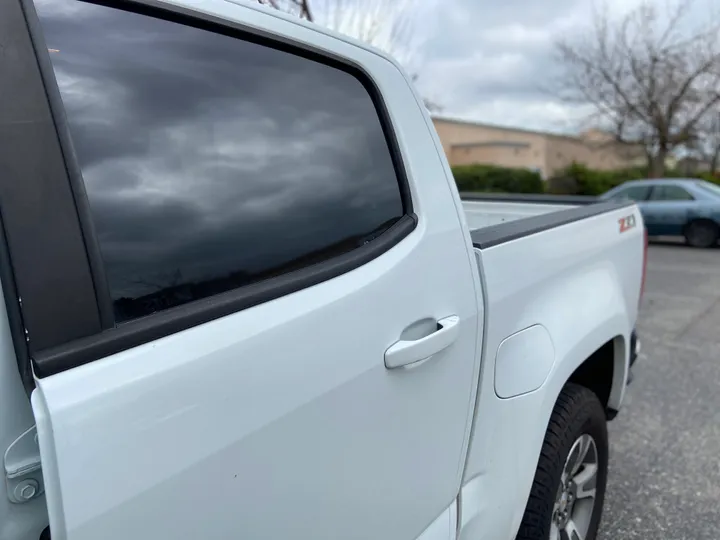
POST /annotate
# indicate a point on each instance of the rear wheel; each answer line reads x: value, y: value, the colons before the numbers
x: 701, y: 234
x: 568, y: 491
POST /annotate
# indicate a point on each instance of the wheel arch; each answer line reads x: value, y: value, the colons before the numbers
x: 701, y: 219
x: 512, y: 445
x: 604, y: 373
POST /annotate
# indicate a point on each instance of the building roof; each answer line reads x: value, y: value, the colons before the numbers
x: 510, y: 144
x: 451, y: 120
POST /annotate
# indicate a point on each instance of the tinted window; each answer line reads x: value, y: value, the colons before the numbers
x: 210, y: 162
x: 670, y: 193
x: 633, y: 193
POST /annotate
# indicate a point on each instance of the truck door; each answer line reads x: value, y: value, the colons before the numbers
x: 282, y: 341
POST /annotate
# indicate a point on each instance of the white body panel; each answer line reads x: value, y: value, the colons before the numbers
x: 581, y: 282
x: 282, y: 421
x: 444, y: 527
x: 17, y: 521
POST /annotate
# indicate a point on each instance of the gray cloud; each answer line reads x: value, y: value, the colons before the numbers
x: 493, y: 61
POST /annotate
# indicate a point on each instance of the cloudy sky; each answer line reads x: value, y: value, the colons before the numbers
x: 492, y: 60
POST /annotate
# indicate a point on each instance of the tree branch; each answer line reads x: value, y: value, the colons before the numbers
x: 652, y: 77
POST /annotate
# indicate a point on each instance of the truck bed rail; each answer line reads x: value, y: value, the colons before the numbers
x: 493, y: 235
x: 539, y: 198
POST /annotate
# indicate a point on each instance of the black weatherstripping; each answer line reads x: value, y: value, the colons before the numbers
x: 12, y: 305
x: 97, y: 269
x: 539, y: 198
x: 162, y: 324
x: 47, y: 257
x: 512, y: 230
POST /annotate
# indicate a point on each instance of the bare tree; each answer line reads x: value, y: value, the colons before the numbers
x: 714, y: 147
x: 388, y: 25
x: 706, y: 142
x: 650, y: 77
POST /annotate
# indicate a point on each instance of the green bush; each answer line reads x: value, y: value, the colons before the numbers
x: 562, y: 185
x: 578, y: 179
x: 709, y: 177
x: 489, y: 178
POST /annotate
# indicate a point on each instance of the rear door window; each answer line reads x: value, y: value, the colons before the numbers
x: 212, y: 163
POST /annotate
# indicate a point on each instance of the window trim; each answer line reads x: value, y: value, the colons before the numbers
x: 35, y: 241
x: 110, y: 339
x: 72, y: 166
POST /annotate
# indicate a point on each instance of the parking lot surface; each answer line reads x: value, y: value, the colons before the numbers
x: 664, y: 478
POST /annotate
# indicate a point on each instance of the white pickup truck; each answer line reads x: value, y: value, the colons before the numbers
x: 242, y: 298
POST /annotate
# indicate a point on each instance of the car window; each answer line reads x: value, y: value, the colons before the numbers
x: 670, y: 193
x: 212, y: 163
x: 632, y: 193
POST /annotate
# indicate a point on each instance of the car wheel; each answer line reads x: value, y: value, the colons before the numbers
x: 568, y: 491
x: 701, y: 234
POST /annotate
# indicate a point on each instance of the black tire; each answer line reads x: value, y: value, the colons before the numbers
x: 701, y: 234
x: 577, y: 412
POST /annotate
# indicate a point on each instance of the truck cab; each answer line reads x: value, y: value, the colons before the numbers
x: 243, y: 297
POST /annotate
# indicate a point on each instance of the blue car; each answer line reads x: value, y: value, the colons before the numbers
x: 675, y: 207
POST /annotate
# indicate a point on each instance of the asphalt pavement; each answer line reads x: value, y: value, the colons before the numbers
x: 664, y: 480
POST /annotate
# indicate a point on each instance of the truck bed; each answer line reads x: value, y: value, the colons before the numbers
x: 497, y: 218
x: 487, y: 209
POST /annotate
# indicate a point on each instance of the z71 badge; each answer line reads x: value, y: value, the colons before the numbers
x: 626, y: 223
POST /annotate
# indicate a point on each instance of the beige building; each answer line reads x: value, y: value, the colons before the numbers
x: 468, y: 143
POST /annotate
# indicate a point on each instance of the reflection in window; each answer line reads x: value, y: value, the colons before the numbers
x: 210, y: 162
